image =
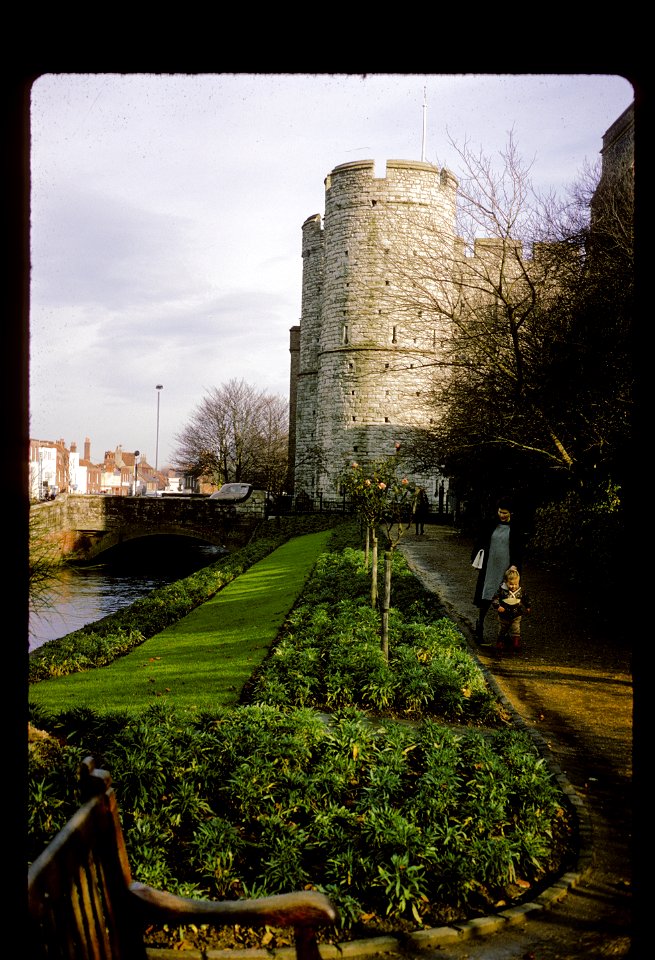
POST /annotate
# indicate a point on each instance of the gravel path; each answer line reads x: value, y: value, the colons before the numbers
x: 572, y: 683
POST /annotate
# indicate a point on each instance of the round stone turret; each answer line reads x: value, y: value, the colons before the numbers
x: 367, y: 344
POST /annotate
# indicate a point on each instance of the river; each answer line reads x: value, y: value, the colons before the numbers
x: 84, y: 594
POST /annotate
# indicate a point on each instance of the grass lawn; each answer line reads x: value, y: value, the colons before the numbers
x: 202, y: 662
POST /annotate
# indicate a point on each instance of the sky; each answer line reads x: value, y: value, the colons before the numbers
x: 167, y: 209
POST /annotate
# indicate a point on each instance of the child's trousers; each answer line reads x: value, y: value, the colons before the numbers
x: 509, y: 630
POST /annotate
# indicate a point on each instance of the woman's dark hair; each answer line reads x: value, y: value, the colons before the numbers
x: 504, y: 503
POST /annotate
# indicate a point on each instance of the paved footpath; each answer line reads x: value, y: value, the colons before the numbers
x: 572, y: 686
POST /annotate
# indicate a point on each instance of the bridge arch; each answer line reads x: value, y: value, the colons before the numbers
x: 81, y: 528
x: 96, y: 547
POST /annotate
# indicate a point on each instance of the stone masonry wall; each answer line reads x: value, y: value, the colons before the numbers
x: 367, y: 352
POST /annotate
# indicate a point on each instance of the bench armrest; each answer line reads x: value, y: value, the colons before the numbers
x: 303, y: 909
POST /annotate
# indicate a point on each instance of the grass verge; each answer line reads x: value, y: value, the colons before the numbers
x: 202, y: 661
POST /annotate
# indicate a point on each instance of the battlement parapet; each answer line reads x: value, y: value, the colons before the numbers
x: 398, y: 172
x: 312, y: 235
x: 312, y: 222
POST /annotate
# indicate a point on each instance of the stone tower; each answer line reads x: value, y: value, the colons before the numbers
x: 364, y: 356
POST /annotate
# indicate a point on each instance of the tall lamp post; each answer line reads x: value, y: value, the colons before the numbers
x: 158, y: 388
x: 136, y: 478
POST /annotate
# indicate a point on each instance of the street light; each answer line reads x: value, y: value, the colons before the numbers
x: 158, y: 388
x: 136, y: 454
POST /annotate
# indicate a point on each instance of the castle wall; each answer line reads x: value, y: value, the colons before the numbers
x: 617, y: 169
x: 305, y: 394
x: 294, y: 367
x: 367, y: 348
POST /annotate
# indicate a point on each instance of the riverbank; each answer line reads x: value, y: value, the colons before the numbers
x: 83, y: 594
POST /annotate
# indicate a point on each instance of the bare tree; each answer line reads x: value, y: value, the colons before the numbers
x: 237, y: 433
x: 515, y: 295
x: 270, y: 459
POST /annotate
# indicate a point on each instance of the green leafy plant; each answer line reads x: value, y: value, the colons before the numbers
x: 277, y: 799
x: 214, y: 849
x: 404, y: 885
x: 329, y: 656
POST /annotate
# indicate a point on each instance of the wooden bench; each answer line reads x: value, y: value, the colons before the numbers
x: 84, y: 904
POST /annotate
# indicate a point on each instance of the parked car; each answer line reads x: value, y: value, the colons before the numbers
x: 233, y: 492
x: 245, y: 498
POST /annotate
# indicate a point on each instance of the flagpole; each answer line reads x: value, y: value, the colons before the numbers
x: 425, y: 110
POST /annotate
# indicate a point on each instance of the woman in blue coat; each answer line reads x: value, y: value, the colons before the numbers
x: 502, y: 542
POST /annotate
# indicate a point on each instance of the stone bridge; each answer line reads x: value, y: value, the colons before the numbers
x: 80, y: 528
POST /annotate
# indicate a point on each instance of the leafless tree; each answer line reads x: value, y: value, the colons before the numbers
x: 515, y: 295
x: 236, y: 434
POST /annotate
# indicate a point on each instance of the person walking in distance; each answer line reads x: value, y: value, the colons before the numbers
x: 502, y: 545
x: 421, y: 511
x: 510, y: 603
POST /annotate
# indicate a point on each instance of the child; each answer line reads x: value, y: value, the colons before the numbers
x: 510, y: 601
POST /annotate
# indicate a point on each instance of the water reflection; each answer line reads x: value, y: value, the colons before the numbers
x: 82, y: 595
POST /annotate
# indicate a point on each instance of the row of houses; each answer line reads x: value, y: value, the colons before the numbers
x: 55, y: 468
